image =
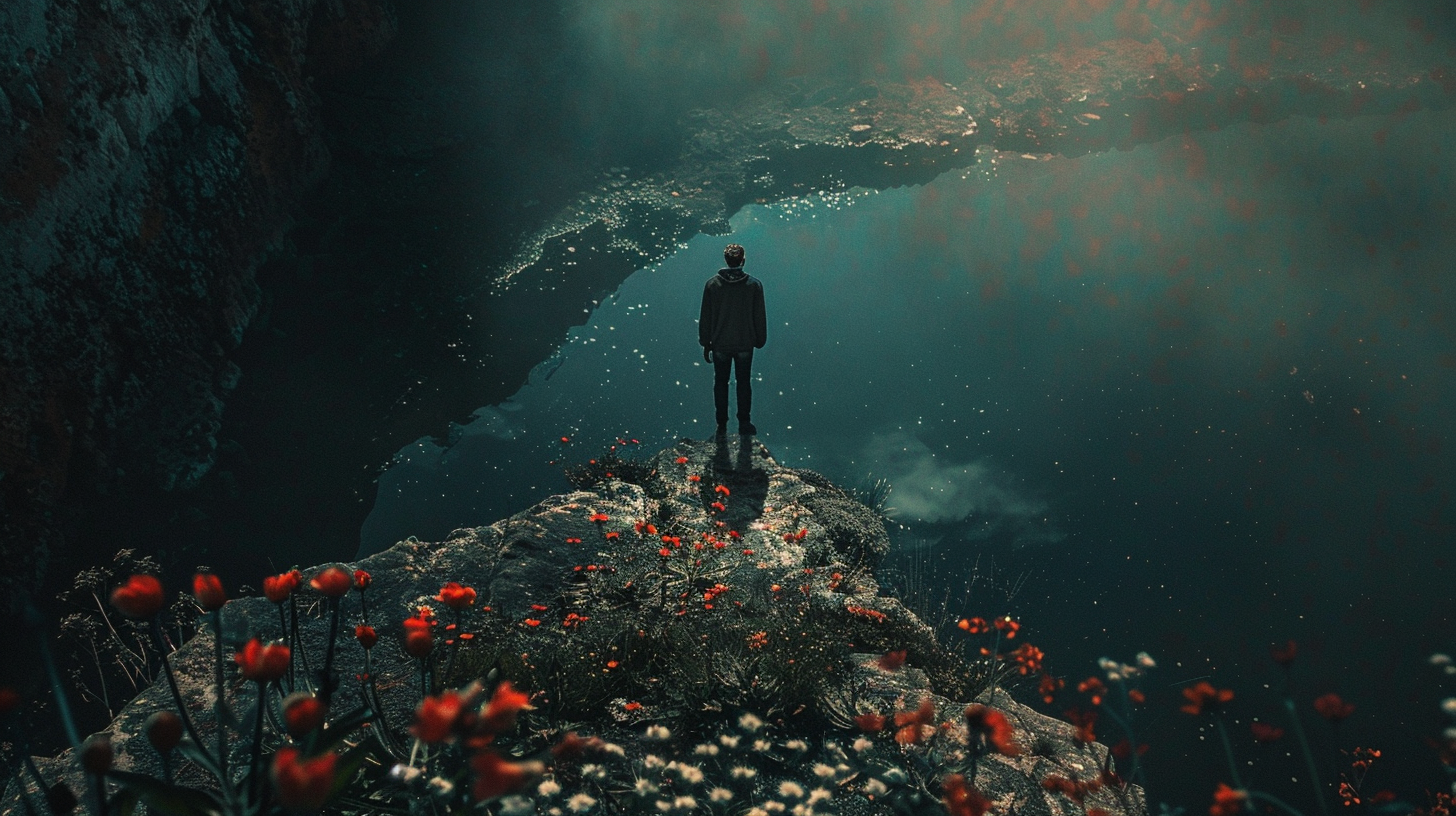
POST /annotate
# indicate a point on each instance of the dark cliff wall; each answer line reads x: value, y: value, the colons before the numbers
x: 150, y: 156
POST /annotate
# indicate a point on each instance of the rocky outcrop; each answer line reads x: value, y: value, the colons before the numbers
x: 150, y: 155
x: 709, y: 591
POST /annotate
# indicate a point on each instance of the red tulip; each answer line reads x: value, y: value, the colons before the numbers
x: 505, y: 704
x: 96, y: 754
x: 362, y: 580
x: 418, y: 640
x: 164, y: 731
x: 207, y: 589
x: 366, y: 636
x: 436, y: 716
x: 277, y: 588
x: 1332, y: 708
x: 303, y: 713
x: 303, y: 784
x: 1204, y: 695
x: 870, y: 722
x: 496, y: 777
x: 1227, y: 801
x: 333, y: 582
x: 455, y: 596
x: 1264, y: 732
x: 993, y: 727
x: 962, y: 798
x: 140, y: 597
x: 263, y: 662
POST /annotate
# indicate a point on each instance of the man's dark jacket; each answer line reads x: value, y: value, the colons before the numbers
x: 732, y: 318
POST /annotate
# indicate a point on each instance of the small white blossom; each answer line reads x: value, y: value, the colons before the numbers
x: 614, y: 749
x: 548, y: 788
x: 861, y: 745
x: 1448, y: 705
x: 1449, y: 734
x: 580, y: 803
x: 749, y: 723
x: 691, y: 774
x: 653, y: 762
x: 556, y: 811
x: 756, y: 811
x: 743, y: 772
x: 1106, y: 664
x: 762, y: 745
x: 1146, y: 661
x: 797, y: 745
x: 802, y: 809
x: 658, y: 732
x: 1450, y: 669
x: 875, y: 787
x: 441, y: 786
x: 842, y: 769
x: 593, y: 771
x: 791, y: 789
x: 405, y: 774
x: 774, y: 807
x: 820, y: 795
x: 664, y: 805
x: 684, y: 803
x: 896, y: 776
x: 1439, y: 659
x: 729, y: 740
x: 517, y: 806
x: 823, y: 771
x: 706, y: 749
x: 720, y: 795
x: 644, y: 787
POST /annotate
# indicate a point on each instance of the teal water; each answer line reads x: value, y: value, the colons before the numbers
x: 1199, y: 393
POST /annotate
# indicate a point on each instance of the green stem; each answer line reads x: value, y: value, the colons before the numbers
x: 63, y: 706
x: 326, y: 681
x: 98, y: 787
x: 1126, y: 727
x: 253, y: 773
x: 286, y: 637
x: 1319, y: 797
x: 40, y: 783
x: 218, y: 704
x: 1228, y: 751
x: 176, y: 692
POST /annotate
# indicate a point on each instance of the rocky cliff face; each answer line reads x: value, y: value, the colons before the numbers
x: 709, y: 591
x: 150, y: 154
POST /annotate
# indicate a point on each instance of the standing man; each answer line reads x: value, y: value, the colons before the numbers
x: 730, y: 326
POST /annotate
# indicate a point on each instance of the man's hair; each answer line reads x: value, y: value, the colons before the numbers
x: 733, y: 254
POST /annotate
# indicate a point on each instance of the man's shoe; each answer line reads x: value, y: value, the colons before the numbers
x: 746, y: 429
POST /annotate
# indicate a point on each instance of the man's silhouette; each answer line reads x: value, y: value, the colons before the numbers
x: 730, y: 327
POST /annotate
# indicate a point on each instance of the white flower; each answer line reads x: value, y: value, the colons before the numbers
x: 644, y: 787
x: 1450, y: 669
x: 516, y: 806
x: 690, y: 773
x: 684, y: 803
x: 842, y: 769
x: 441, y: 786
x: 653, y: 762
x: 614, y: 749
x: 1449, y: 734
x: 664, y: 805
x: 729, y: 740
x: 405, y: 774
x: 823, y: 771
x: 1106, y: 664
x: 720, y: 795
x: 802, y: 809
x: 896, y: 776
x: 658, y: 732
x: 820, y: 795
x: 796, y: 745
x: 1448, y: 705
x: 742, y: 772
x: 1439, y: 659
x: 875, y: 787
x: 593, y: 771
x: 548, y: 788
x: 762, y: 745
x: 774, y: 807
x: 756, y: 811
x: 861, y: 745
x: 749, y: 723
x: 1146, y: 660
x: 706, y: 749
x: 580, y: 803
x: 791, y: 789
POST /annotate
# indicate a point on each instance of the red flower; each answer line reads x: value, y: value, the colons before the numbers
x: 721, y: 489
x: 333, y: 582
x: 164, y: 731
x: 1227, y: 801
x: 140, y: 597
x: 1075, y: 789
x: 1048, y: 687
x: 1284, y: 655
x: 303, y: 713
x: 505, y: 704
x: 600, y: 518
x: 961, y: 798
x: 436, y: 716
x: 455, y: 596
x: 613, y: 534
x: 664, y: 552
x: 1008, y: 626
x: 1137, y: 696
x: 1083, y: 721
x: 496, y: 777
x: 1204, y: 694
x: 1264, y: 732
x: 892, y: 661
x: 362, y: 580
x: 912, y: 725
x: 277, y: 588
x: 207, y: 589
x: 1332, y: 708
x: 975, y: 626
x: 994, y: 729
x: 1028, y: 659
x: 682, y: 460
x: 695, y: 478
x: 366, y: 636
x: 1094, y: 687
x: 303, y: 784
x: 418, y: 640
x: 719, y: 506
x: 9, y: 699
x: 870, y: 722
x: 263, y: 662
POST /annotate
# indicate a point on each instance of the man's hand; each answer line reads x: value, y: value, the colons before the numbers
x: 707, y: 354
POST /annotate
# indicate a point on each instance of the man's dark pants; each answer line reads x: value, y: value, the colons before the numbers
x: 742, y: 362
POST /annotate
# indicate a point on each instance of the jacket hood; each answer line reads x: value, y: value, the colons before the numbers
x: 731, y: 274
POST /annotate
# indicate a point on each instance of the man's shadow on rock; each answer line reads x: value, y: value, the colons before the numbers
x: 737, y: 468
